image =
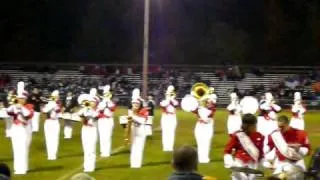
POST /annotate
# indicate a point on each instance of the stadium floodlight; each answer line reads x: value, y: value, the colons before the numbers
x: 145, y: 48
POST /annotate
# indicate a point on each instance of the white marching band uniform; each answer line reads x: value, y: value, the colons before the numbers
x: 267, y: 121
x: 204, y: 129
x: 52, y: 125
x: 245, y: 150
x: 105, y: 122
x: 168, y: 120
x: 21, y: 132
x: 298, y: 110
x: 234, y: 119
x: 7, y: 119
x: 89, y: 132
x: 138, y: 134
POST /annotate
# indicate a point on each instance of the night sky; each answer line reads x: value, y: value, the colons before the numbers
x: 181, y: 31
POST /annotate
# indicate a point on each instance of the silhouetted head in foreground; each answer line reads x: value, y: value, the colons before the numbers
x: 185, y: 159
x: 249, y: 123
x: 5, y: 172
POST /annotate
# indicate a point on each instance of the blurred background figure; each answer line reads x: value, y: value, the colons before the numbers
x: 185, y: 164
x: 150, y: 105
x: 35, y: 100
x: 69, y: 105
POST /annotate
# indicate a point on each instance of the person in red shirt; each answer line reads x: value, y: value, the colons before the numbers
x: 291, y: 146
x: 21, y: 132
x: 245, y: 148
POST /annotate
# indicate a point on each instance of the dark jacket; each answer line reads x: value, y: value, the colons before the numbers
x: 185, y: 176
x: 69, y: 104
x: 35, y: 100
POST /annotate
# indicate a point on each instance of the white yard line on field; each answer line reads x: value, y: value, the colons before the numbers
x: 79, y: 168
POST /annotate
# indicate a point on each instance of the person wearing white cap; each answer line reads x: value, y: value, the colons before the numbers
x: 8, y: 119
x: 21, y: 132
x: 267, y: 123
x: 69, y: 105
x: 139, y: 116
x: 52, y: 125
x: 89, y: 132
x: 234, y: 118
x: 268, y: 113
x: 168, y: 119
x: 204, y: 128
x: 106, y: 122
x: 298, y: 110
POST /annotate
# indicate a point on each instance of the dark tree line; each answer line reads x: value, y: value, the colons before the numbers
x: 181, y: 31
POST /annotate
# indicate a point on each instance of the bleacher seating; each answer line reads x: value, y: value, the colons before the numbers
x: 222, y: 88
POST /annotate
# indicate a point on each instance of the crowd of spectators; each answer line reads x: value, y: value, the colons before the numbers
x: 160, y: 78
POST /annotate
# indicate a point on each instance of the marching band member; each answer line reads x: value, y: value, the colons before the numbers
x: 11, y: 97
x: 52, y: 125
x: 168, y: 119
x: 89, y: 132
x: 268, y: 110
x: 21, y: 132
x: 151, y: 105
x: 35, y: 100
x: 268, y: 122
x: 204, y: 129
x: 234, y: 118
x: 247, y: 145
x: 298, y: 110
x: 138, y: 115
x: 106, y: 109
x: 69, y: 104
x: 291, y: 145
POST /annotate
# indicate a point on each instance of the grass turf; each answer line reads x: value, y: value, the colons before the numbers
x: 156, y: 164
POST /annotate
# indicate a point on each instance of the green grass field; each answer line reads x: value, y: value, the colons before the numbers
x: 156, y: 164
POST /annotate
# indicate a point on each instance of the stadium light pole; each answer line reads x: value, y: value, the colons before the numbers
x: 145, y: 48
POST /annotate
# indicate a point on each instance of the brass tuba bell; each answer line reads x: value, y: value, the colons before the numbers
x: 200, y: 91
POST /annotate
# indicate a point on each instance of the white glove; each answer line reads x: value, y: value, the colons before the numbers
x: 164, y: 103
x: 303, y: 151
x: 170, y: 109
x: 101, y: 105
x: 228, y: 161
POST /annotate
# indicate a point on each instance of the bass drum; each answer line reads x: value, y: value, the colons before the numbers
x: 249, y: 105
